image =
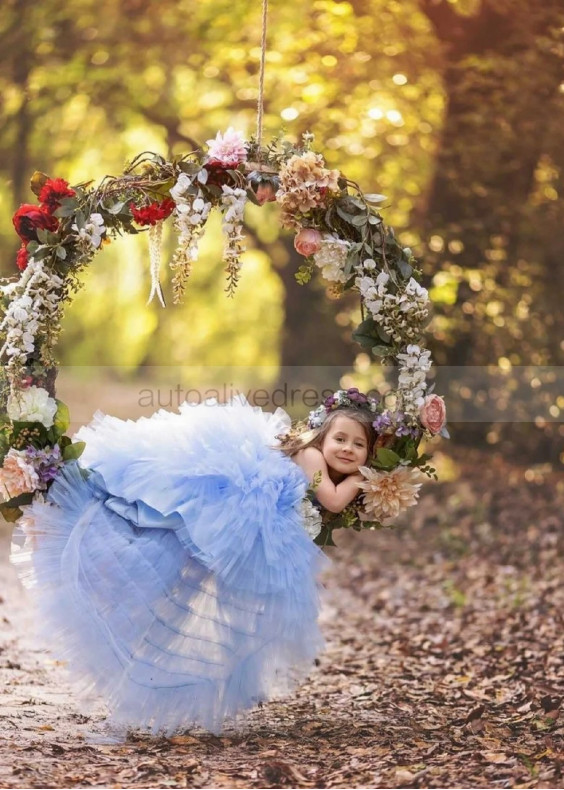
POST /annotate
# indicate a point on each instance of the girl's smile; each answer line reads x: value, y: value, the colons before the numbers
x: 345, y: 446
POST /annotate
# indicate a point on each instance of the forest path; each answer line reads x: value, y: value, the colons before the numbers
x: 444, y: 665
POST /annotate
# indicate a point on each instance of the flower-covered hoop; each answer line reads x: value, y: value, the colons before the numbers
x: 338, y: 230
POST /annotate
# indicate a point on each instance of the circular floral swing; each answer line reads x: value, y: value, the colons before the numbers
x: 338, y: 230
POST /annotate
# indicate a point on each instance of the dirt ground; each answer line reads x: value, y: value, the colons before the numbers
x: 444, y: 665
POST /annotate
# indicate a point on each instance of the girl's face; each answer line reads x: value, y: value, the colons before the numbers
x: 345, y: 446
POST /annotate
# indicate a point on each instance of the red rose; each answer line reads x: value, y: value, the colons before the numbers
x: 433, y: 414
x: 53, y: 191
x: 22, y: 258
x: 153, y: 213
x: 29, y: 219
x: 307, y: 242
x: 217, y: 173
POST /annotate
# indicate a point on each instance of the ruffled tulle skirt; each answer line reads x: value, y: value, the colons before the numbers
x: 172, y: 570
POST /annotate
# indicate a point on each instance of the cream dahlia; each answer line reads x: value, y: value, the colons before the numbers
x: 387, y: 494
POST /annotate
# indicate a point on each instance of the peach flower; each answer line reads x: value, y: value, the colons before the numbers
x: 266, y: 193
x: 387, y: 494
x: 433, y: 413
x: 17, y: 476
x: 308, y: 242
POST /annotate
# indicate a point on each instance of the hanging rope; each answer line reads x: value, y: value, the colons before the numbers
x: 260, y: 102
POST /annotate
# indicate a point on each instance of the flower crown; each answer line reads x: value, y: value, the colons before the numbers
x: 351, y: 398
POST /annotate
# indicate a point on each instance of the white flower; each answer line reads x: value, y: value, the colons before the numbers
x: 332, y: 257
x: 32, y: 405
x: 178, y: 191
x: 92, y: 231
x: 311, y: 516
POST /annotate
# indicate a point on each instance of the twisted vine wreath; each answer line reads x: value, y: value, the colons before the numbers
x: 338, y: 230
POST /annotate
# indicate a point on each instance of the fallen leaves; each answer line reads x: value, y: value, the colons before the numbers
x: 444, y: 666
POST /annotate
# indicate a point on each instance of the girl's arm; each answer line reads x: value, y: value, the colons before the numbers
x: 333, y: 497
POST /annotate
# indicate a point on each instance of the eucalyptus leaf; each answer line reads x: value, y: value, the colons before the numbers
x: 374, y: 198
x: 381, y: 350
x: 387, y: 458
x: 61, y: 252
x: 62, y: 418
x: 359, y: 220
x: 116, y: 208
x: 73, y: 451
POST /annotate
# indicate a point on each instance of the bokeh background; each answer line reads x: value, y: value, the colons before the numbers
x: 453, y: 110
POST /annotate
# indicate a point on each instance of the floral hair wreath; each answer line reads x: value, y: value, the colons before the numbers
x: 338, y: 230
x: 351, y: 398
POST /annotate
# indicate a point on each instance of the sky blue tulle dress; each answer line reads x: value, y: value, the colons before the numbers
x: 177, y: 578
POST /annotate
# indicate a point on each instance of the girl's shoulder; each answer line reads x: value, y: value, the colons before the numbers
x: 308, y: 453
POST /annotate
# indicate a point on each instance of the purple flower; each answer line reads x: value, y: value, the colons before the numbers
x: 330, y: 401
x: 46, y: 463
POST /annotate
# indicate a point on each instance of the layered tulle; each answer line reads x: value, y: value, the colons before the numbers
x: 177, y: 578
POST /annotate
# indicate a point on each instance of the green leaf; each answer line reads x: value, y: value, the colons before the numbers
x: 374, y: 198
x: 46, y: 237
x: 116, y: 208
x: 387, y: 458
x: 359, y: 220
x: 405, y: 268
x: 325, y: 537
x: 73, y: 451
x: 61, y: 252
x: 381, y: 351
x: 62, y: 418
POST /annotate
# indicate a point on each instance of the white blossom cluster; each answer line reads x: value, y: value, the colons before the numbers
x: 402, y: 314
x: 92, y: 231
x: 414, y: 364
x: 232, y: 207
x: 311, y: 516
x: 35, y: 304
x: 190, y: 216
x: 331, y: 258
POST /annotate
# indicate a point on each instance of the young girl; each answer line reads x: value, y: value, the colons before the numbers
x: 176, y: 576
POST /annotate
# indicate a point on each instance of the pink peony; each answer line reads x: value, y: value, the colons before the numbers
x: 308, y: 242
x: 17, y: 476
x: 433, y: 413
x: 227, y: 150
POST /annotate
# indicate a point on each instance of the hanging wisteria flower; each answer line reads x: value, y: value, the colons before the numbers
x: 401, y: 312
x: 414, y: 364
x: 332, y: 257
x: 34, y: 310
x: 17, y: 475
x: 311, y: 518
x: 33, y: 404
x: 387, y: 494
x: 232, y: 208
x: 191, y: 215
x: 92, y: 231
x: 228, y: 149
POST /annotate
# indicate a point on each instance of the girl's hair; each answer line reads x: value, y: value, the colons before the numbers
x: 314, y: 437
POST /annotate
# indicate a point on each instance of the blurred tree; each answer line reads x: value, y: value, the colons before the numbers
x: 114, y: 78
x: 495, y: 201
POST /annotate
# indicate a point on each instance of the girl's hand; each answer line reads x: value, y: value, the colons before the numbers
x: 333, y: 497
